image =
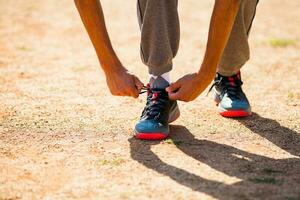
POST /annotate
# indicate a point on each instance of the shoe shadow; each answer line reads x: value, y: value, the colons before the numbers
x: 261, y: 177
x: 270, y: 129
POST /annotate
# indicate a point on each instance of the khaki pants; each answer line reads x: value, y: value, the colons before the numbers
x: 160, y: 34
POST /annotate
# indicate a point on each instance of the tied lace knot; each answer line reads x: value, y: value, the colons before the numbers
x: 232, y: 86
x: 156, y: 102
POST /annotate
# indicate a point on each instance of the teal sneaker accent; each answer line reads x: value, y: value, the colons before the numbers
x: 229, y: 96
x: 156, y: 116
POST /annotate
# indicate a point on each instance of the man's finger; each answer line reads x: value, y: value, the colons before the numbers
x: 175, y: 95
x: 117, y: 94
x: 134, y: 93
x: 173, y: 87
x: 138, y: 84
x: 132, y: 90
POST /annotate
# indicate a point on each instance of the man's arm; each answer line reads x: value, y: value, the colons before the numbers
x: 119, y: 80
x: 191, y: 86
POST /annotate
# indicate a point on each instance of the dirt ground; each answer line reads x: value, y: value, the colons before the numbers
x: 63, y: 136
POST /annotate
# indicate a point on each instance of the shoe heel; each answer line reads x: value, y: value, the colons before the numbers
x: 174, y: 115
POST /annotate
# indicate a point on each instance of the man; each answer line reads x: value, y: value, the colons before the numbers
x: 227, y: 51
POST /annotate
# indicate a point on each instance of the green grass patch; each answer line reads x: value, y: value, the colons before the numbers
x: 175, y: 142
x: 80, y: 68
x: 112, y: 162
x: 291, y: 96
x: 280, y: 42
x: 265, y: 180
x: 269, y: 171
x: 23, y: 48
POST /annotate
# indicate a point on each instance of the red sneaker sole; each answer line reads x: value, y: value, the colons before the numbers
x: 235, y: 113
x: 150, y: 136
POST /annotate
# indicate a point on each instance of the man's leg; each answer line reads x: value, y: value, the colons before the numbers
x: 159, y: 25
x: 237, y: 52
x: 229, y: 95
x: 160, y: 34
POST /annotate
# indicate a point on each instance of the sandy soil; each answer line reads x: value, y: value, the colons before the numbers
x: 63, y: 136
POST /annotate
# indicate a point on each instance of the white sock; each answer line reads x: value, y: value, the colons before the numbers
x: 165, y: 76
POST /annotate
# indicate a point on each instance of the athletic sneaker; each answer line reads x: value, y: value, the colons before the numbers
x: 229, y: 96
x: 158, y: 113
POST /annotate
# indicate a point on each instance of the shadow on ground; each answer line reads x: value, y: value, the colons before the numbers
x: 261, y: 177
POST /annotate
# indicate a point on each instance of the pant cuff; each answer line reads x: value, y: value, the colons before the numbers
x: 229, y: 70
x: 157, y: 71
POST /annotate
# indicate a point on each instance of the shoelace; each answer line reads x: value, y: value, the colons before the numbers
x: 156, y: 101
x: 231, y: 87
x: 144, y: 89
x: 216, y: 83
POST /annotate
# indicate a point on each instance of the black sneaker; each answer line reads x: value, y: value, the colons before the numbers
x: 229, y: 96
x: 158, y: 113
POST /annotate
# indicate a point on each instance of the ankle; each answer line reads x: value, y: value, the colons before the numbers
x: 162, y: 81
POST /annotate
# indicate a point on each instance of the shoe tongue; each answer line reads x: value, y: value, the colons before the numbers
x: 158, y: 83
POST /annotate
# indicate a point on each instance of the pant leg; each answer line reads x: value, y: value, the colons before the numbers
x: 160, y: 33
x: 237, y: 51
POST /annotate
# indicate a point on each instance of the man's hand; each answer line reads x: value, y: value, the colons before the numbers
x: 190, y: 86
x: 186, y: 88
x: 123, y: 83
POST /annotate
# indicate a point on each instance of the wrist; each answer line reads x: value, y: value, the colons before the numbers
x: 114, y: 70
x: 108, y: 60
x: 206, y: 73
x: 112, y: 67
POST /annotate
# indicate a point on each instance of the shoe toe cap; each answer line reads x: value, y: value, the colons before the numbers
x: 228, y: 104
x: 151, y: 126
